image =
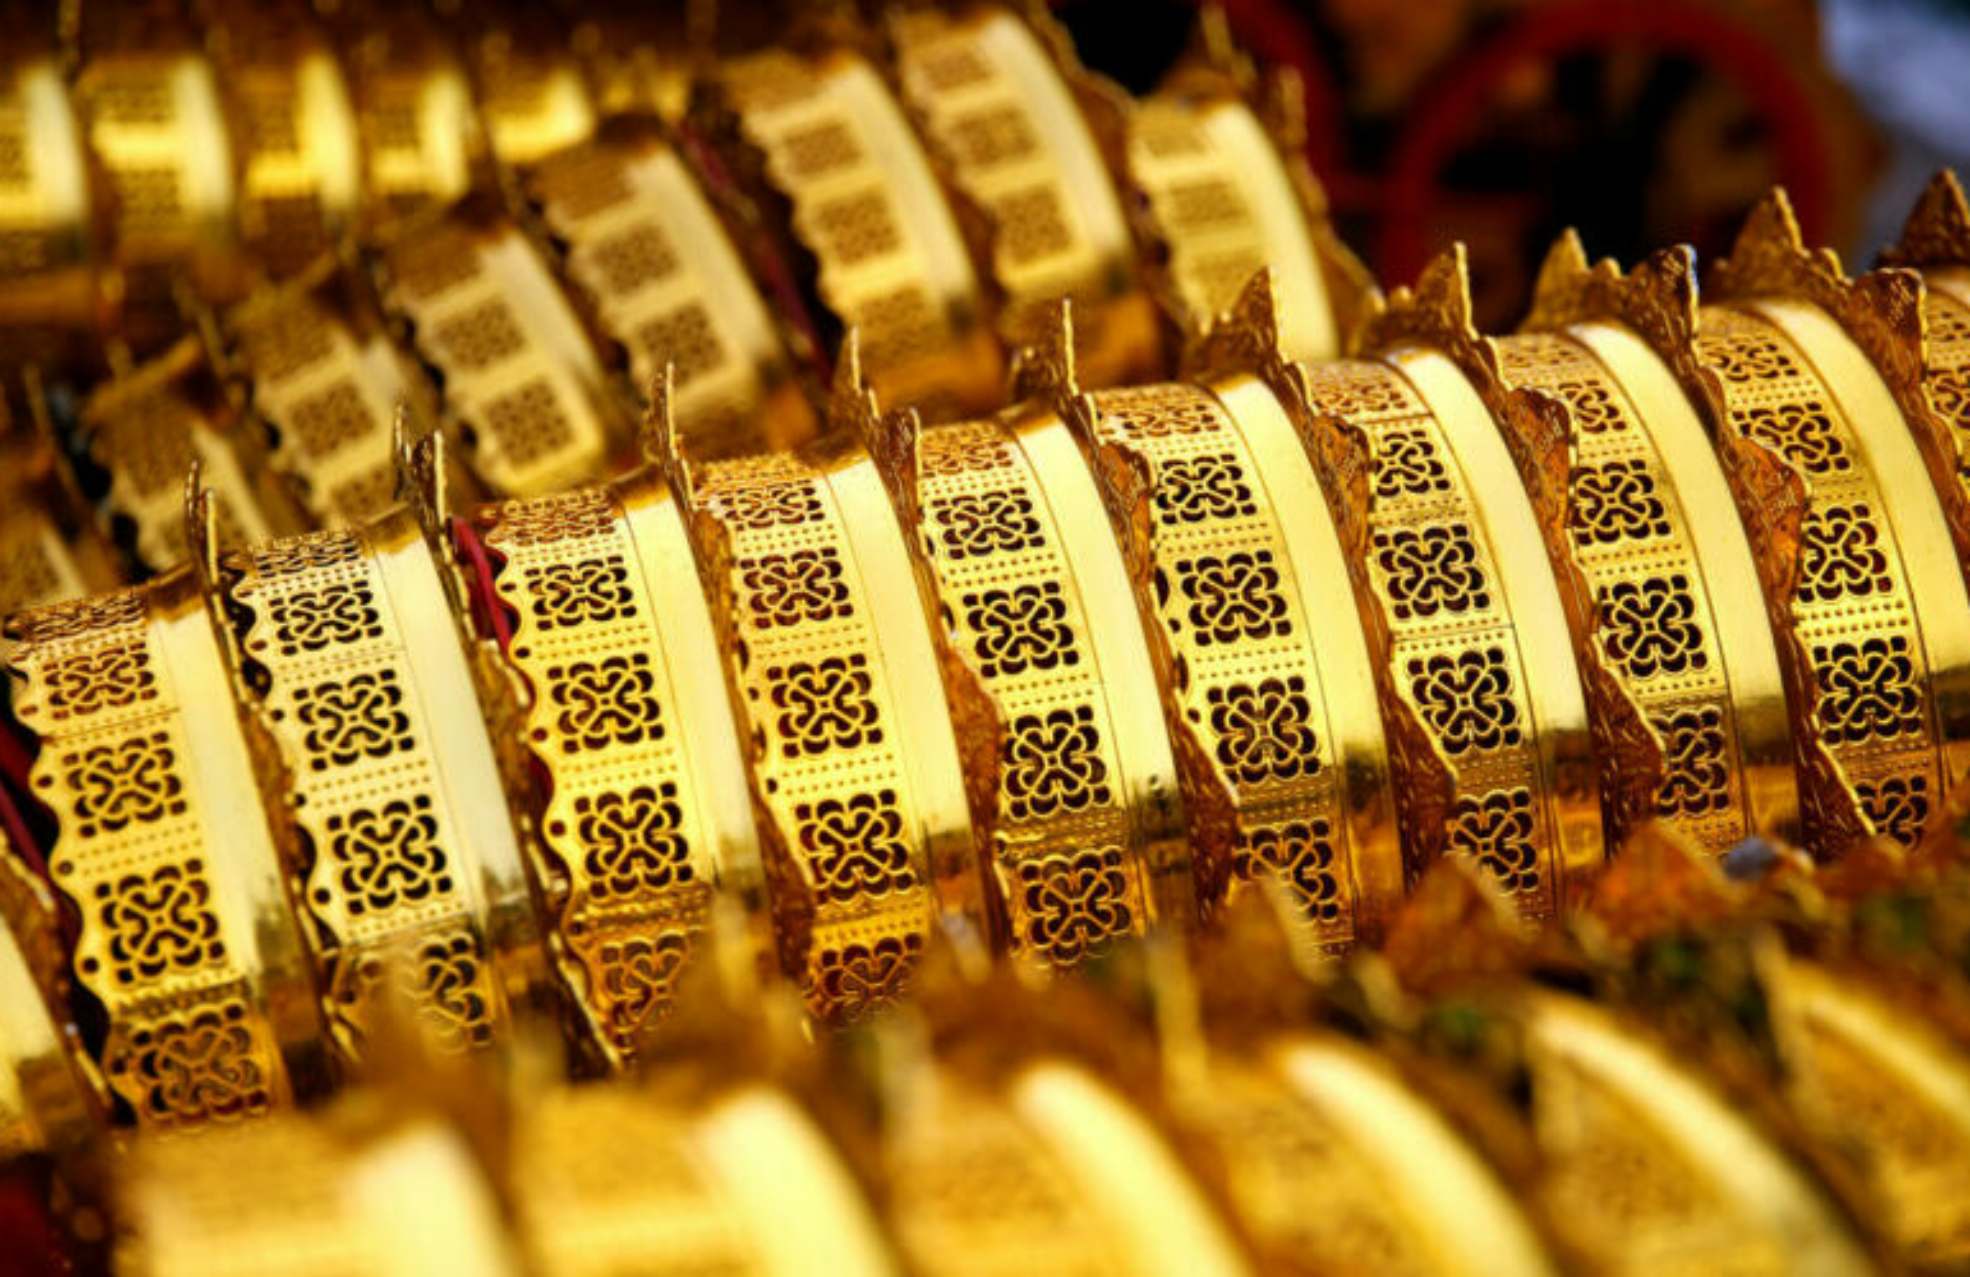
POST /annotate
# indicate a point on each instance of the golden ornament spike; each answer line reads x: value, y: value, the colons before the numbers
x: 1937, y: 232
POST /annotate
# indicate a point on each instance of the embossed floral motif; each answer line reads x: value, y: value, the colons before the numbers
x: 974, y: 524
x: 1949, y: 390
x: 858, y: 980
x: 769, y: 505
x: 1264, y: 732
x: 1696, y: 774
x: 1194, y: 489
x: 1074, y: 903
x: 1840, y: 555
x: 1801, y: 433
x: 1233, y: 597
x: 344, y: 721
x: 1897, y: 806
x: 633, y: 841
x: 787, y: 589
x: 1053, y: 764
x: 199, y: 1068
x: 312, y: 620
x: 1746, y: 355
x: 1406, y: 464
x: 545, y: 520
x: 1158, y: 411
x: 1616, y: 501
x: 1466, y: 699
x: 129, y: 782
x: 586, y: 591
x: 387, y: 855
x: 824, y: 705
x: 1431, y: 570
x: 1648, y: 627
x: 1356, y: 392
x: 639, y: 979
x: 158, y: 921
x: 611, y: 701
x: 955, y: 450
x: 77, y: 617
x: 1867, y: 690
x: 291, y: 556
x: 452, y: 993
x: 1496, y: 829
x: 105, y: 678
x: 855, y: 846
x: 1592, y: 405
x: 1300, y: 855
x: 1019, y: 629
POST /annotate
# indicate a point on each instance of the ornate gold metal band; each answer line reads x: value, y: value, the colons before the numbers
x: 949, y: 1161
x: 1221, y: 202
x: 422, y: 149
x: 607, y: 1180
x: 49, y: 288
x: 308, y: 1195
x: 1330, y: 1164
x: 644, y: 812
x: 992, y: 96
x: 1831, y: 482
x: 1685, y: 697
x: 146, y: 428
x: 520, y: 376
x: 1048, y: 676
x: 186, y: 943
x: 666, y: 285
x: 1481, y: 693
x: 1278, y: 736
x: 327, y: 379
x: 532, y: 97
x: 300, y: 160
x: 1703, y: 1183
x: 854, y: 766
x: 154, y: 121
x: 402, y: 856
x: 822, y: 138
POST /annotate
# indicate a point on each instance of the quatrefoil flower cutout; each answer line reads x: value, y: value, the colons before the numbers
x: 1075, y: 904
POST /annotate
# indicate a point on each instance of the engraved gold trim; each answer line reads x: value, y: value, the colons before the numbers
x: 1000, y: 118
x: 822, y: 139
x: 403, y: 858
x: 186, y: 941
x: 644, y: 813
x: 1230, y: 550
x: 853, y: 761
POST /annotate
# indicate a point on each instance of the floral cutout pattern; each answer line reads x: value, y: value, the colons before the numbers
x: 1264, y: 731
x: 856, y: 847
x: 1431, y: 570
x: 633, y: 841
x: 608, y: 701
x: 1074, y: 903
x: 1053, y: 765
x: 157, y: 922
x: 387, y: 855
x: 347, y: 720
x: 1233, y: 597
x: 800, y: 587
x: 1496, y: 829
x: 1466, y: 698
x: 823, y: 705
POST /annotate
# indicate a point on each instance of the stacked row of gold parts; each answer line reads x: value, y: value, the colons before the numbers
x: 845, y: 650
